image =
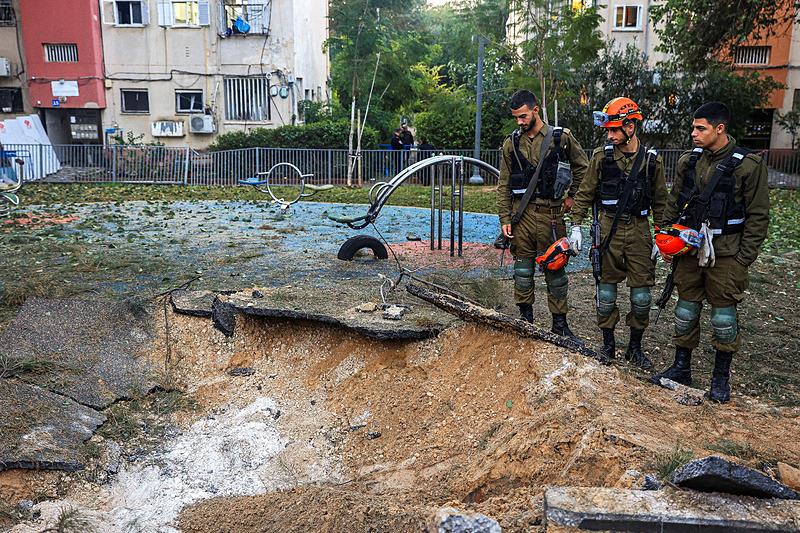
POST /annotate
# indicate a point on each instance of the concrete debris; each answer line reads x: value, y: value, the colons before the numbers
x: 394, y: 312
x: 451, y: 520
x: 43, y: 430
x: 790, y: 476
x: 89, y: 351
x: 715, y: 474
x: 367, y: 307
x: 609, y: 509
x: 241, y: 371
x: 684, y: 395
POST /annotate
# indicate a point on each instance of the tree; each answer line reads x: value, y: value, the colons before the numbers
x: 695, y: 30
x: 790, y: 121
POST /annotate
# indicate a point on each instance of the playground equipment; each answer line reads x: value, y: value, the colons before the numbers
x: 381, y: 191
x: 10, y: 182
x: 268, y: 181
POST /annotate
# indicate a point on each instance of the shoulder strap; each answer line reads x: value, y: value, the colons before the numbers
x: 608, y: 150
x: 526, y: 198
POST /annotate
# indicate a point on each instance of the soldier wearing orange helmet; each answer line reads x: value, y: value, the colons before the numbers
x: 626, y: 182
x: 721, y: 192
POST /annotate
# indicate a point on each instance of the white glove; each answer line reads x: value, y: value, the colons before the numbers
x: 576, y: 239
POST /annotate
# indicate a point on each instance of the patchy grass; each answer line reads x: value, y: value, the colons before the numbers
x: 11, y: 366
x: 70, y: 520
x: 121, y: 421
x: 666, y: 463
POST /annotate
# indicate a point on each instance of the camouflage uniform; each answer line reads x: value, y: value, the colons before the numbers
x: 533, y: 234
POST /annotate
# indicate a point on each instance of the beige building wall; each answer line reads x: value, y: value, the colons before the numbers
x: 791, y: 96
x: 165, y: 59
x: 11, y: 51
x: 624, y: 28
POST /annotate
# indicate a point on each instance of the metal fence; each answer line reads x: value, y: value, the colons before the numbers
x: 182, y: 165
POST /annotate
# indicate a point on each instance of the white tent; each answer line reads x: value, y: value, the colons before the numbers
x: 24, y: 137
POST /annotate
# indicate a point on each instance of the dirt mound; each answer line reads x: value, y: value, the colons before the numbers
x: 474, y: 416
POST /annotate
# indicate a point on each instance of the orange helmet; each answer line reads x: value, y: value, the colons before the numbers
x: 617, y: 112
x: 556, y: 256
x: 677, y: 240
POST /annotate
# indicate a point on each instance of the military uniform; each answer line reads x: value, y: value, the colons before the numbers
x: 533, y: 234
x: 628, y: 253
x: 739, y: 220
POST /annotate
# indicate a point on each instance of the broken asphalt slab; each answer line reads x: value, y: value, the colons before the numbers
x: 85, y: 350
x: 303, y: 304
x: 41, y: 429
x: 667, y: 511
x: 715, y: 474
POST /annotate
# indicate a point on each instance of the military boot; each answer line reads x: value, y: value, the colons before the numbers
x: 634, y: 353
x: 609, y: 349
x: 721, y: 377
x: 681, y: 369
x: 560, y: 327
x: 526, y: 312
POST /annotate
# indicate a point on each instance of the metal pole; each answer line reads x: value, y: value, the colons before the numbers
x: 441, y: 186
x: 476, y: 178
x: 452, y: 207
x: 433, y: 207
x: 461, y: 209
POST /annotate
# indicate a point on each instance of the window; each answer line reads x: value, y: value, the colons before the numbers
x: 796, y: 100
x: 129, y: 13
x: 189, y: 101
x: 247, y: 98
x: 255, y: 13
x: 7, y: 17
x: 11, y: 101
x: 628, y: 17
x: 61, y: 53
x: 135, y: 101
x: 752, y: 55
x: 183, y: 13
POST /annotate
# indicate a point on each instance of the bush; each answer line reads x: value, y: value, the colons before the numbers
x: 449, y: 121
x: 324, y: 134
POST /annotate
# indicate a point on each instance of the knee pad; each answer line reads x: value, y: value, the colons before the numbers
x: 687, y: 314
x: 724, y: 324
x: 607, y: 294
x: 640, y: 301
x: 557, y: 283
x: 523, y: 274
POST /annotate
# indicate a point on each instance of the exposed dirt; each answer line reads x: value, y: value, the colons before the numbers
x: 476, y: 416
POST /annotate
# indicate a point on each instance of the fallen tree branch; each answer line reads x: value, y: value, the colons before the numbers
x: 476, y: 313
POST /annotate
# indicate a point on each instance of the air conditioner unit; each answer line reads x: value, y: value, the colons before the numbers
x: 201, y: 124
x: 5, y: 67
x: 167, y: 128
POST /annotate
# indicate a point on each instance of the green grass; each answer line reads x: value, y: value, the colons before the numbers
x: 742, y: 450
x: 666, y: 463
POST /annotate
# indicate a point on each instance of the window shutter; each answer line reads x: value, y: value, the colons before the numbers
x: 108, y: 12
x: 145, y: 12
x: 164, y: 13
x: 204, y: 13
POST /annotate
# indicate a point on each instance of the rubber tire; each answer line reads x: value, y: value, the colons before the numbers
x: 352, y: 245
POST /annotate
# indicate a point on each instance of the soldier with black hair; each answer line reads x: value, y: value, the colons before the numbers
x: 719, y: 208
x: 533, y: 193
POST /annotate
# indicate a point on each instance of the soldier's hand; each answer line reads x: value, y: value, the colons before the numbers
x: 506, y: 229
x: 568, y: 203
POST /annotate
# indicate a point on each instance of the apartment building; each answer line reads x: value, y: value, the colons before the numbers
x: 172, y: 71
x: 13, y: 98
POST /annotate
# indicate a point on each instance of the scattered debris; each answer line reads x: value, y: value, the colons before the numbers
x: 394, y: 312
x: 367, y: 307
x: 683, y: 395
x: 413, y: 237
x: 371, y: 435
x: 790, y: 476
x: 241, y: 371
x: 668, y: 510
x: 715, y: 474
x: 451, y: 520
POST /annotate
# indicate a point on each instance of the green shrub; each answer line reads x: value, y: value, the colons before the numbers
x: 323, y: 134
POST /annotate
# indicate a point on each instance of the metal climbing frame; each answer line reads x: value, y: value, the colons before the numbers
x: 283, y: 203
x: 381, y: 191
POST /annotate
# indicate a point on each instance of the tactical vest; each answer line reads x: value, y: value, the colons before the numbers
x: 522, y: 170
x: 612, y: 184
x: 725, y: 216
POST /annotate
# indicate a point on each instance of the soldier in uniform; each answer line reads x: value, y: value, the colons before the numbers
x: 540, y: 223
x: 733, y: 216
x: 624, y: 203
